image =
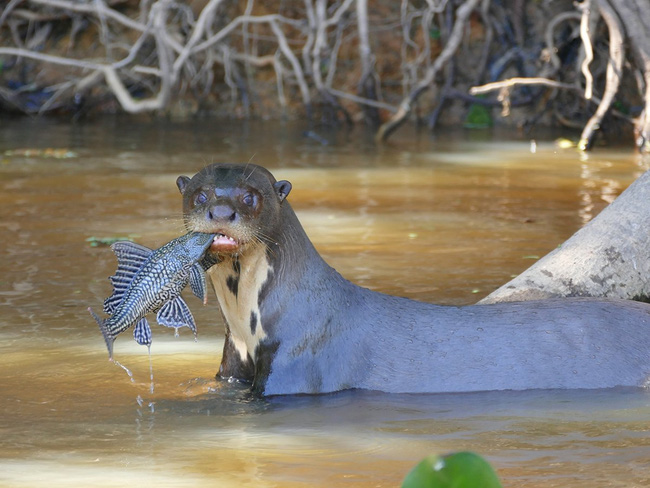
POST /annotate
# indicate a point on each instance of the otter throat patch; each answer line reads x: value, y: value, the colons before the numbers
x: 238, y: 281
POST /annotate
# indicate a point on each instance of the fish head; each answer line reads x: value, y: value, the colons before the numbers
x: 241, y: 204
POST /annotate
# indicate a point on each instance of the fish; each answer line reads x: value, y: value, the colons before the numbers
x: 148, y: 281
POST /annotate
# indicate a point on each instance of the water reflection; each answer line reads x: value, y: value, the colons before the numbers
x: 444, y: 220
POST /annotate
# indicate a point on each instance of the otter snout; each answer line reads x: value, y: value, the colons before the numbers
x: 222, y: 213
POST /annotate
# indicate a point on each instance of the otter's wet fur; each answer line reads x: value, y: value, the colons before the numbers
x: 295, y: 325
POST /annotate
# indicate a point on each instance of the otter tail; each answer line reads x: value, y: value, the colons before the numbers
x: 108, y: 337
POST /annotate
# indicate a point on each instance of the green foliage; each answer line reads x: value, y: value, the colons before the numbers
x: 621, y: 107
x: 457, y: 470
x: 478, y: 117
x: 106, y: 241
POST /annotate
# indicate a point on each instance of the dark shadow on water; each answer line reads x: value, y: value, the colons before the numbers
x: 372, y: 407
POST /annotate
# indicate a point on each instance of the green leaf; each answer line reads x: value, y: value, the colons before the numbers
x: 478, y: 117
x: 457, y: 470
x: 106, y: 241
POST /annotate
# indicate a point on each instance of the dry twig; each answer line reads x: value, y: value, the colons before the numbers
x: 462, y: 14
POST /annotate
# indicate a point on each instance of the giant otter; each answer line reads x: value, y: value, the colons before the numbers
x: 295, y: 325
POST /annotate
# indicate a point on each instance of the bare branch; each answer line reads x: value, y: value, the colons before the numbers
x: 197, y: 33
x: 585, y: 34
x: 7, y: 10
x: 614, y: 74
x: 49, y: 58
x: 462, y: 14
x: 336, y: 16
x: 259, y: 19
x: 160, y: 101
x: 319, y: 43
x: 498, y: 85
x: 306, y: 53
x: 548, y: 35
x: 92, y: 8
x: 363, y: 101
x: 284, y: 47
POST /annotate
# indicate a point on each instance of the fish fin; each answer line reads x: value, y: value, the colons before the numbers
x: 175, y: 313
x: 111, y: 303
x: 119, y: 288
x: 197, y: 283
x: 142, y: 332
x: 208, y: 260
x: 108, y: 337
x: 131, y: 250
x: 130, y: 258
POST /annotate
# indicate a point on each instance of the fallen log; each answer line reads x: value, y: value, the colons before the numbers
x: 608, y: 257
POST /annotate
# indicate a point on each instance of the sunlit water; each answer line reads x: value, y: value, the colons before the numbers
x: 444, y: 219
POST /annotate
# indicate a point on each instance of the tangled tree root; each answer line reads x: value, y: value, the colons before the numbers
x: 351, y: 59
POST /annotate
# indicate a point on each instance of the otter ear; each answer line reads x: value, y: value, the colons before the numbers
x: 181, y: 183
x: 282, y: 188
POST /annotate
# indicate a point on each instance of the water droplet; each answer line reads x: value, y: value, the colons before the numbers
x: 150, y: 369
x: 128, y: 371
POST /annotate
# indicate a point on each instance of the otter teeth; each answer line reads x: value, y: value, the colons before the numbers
x: 224, y: 236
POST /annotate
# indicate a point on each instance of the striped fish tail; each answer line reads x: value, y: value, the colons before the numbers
x: 108, y: 337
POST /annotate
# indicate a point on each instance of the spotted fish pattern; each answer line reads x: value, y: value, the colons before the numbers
x: 148, y: 281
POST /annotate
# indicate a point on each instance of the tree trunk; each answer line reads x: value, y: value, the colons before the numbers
x: 609, y: 257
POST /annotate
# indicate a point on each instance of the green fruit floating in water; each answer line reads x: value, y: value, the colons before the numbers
x: 458, y: 470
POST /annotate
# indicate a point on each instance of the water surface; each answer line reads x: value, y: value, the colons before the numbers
x: 445, y: 219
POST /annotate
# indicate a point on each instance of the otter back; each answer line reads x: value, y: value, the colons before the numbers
x: 294, y: 325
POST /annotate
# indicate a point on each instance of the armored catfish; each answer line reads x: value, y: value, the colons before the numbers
x: 147, y: 281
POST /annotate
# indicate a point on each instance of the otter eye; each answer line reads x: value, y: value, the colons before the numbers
x: 248, y: 200
x: 200, y: 198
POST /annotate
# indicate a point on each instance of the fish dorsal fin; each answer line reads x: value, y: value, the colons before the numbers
x: 175, y: 313
x: 130, y: 258
x: 112, y: 302
x: 142, y: 332
x: 130, y: 253
x: 197, y: 283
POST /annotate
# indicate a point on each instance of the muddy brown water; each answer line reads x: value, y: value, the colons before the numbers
x: 444, y: 219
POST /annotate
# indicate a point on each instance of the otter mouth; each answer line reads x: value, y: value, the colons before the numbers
x: 224, y: 243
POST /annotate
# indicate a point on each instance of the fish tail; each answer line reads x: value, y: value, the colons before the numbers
x: 108, y: 337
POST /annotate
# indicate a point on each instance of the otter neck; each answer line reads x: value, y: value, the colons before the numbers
x: 246, y: 285
x: 238, y: 281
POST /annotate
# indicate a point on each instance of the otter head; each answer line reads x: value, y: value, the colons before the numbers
x: 239, y: 203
